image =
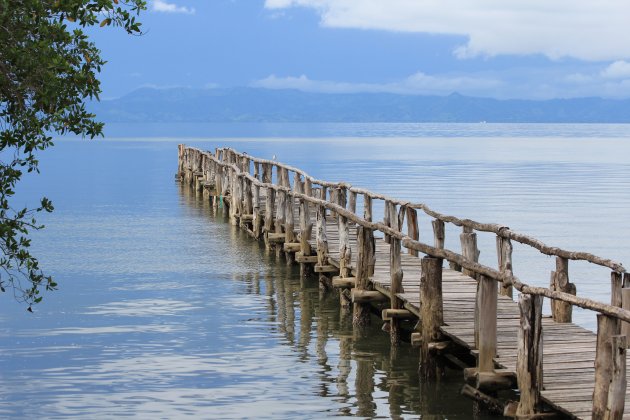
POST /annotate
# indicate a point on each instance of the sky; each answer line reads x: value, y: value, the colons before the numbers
x: 529, y: 49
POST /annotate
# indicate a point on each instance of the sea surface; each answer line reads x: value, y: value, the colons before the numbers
x: 166, y: 311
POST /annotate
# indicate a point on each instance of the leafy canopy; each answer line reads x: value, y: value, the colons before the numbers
x: 48, y: 69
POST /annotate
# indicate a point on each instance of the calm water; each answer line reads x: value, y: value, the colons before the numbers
x: 166, y: 311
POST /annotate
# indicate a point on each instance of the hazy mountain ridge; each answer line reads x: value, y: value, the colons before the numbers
x: 267, y: 105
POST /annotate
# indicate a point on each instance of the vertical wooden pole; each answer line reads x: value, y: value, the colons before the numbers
x: 529, y: 368
x: 361, y: 311
x: 281, y: 206
x: 616, y: 284
x: 468, y: 240
x: 345, y: 252
x: 352, y: 203
x: 321, y: 237
x: 266, y: 173
x: 487, y: 323
x: 438, y: 233
x: 412, y: 227
x: 431, y: 312
x: 606, y: 328
x: 387, y: 220
x: 257, y: 170
x: 618, y: 383
x: 371, y: 247
x: 269, y: 201
x: 504, y: 256
x: 306, y: 227
x: 256, y: 213
x: 625, y: 304
x: 561, y: 311
x: 396, y: 277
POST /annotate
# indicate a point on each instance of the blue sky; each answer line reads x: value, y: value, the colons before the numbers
x: 530, y: 49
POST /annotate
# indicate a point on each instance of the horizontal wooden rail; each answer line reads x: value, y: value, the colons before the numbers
x: 499, y: 230
x: 505, y: 277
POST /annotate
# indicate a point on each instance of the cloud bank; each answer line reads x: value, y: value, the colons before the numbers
x: 583, y: 29
x: 416, y: 84
x: 165, y: 7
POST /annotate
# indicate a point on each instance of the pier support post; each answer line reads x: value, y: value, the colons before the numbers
x: 322, y: 242
x: 486, y: 323
x: 438, y: 233
x: 412, y: 228
x: 561, y: 311
x: 625, y: 304
x: 367, y: 215
x: 306, y: 226
x: 345, y: 252
x: 529, y: 368
x: 396, y: 277
x: 468, y: 240
x: 268, y: 227
x: 504, y: 257
x: 607, y: 327
x: 361, y: 311
x: 431, y: 313
x: 618, y: 382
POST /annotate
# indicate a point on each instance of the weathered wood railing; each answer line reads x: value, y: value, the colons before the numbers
x: 238, y: 178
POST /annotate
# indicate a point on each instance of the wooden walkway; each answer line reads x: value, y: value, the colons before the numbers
x: 569, y: 385
x: 568, y: 349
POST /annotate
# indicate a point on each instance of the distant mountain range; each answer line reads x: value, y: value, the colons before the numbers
x: 266, y: 105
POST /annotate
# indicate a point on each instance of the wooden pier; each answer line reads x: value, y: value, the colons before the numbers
x: 558, y: 368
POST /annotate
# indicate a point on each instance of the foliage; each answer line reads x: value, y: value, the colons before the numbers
x: 48, y: 69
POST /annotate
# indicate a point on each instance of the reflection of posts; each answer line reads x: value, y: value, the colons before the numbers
x: 364, y: 386
x: 344, y: 366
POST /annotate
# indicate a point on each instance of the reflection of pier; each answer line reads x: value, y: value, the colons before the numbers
x: 465, y: 310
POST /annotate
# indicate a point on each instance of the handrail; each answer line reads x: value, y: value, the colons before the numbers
x: 506, y: 277
x: 500, y: 230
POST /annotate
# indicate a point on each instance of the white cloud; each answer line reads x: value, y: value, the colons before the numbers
x: 617, y: 70
x: 416, y: 84
x: 583, y: 29
x: 165, y: 7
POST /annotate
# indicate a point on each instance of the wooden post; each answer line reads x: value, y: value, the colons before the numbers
x: 352, y: 202
x: 321, y: 238
x: 625, y: 304
x: 306, y: 227
x: 412, y: 227
x: 248, y: 198
x: 617, y: 390
x: 396, y: 277
x: 438, y: 233
x: 234, y: 197
x: 256, y: 213
x: 268, y: 227
x: 486, y: 323
x: 289, y: 226
x: 606, y: 328
x: 281, y: 207
x: 367, y: 215
x: 504, y: 256
x: 529, y: 367
x: 468, y: 240
x: 361, y: 311
x: 345, y: 252
x: 257, y: 170
x: 267, y: 173
x: 561, y: 311
x: 387, y: 220
x: 616, y: 284
x: 431, y: 312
